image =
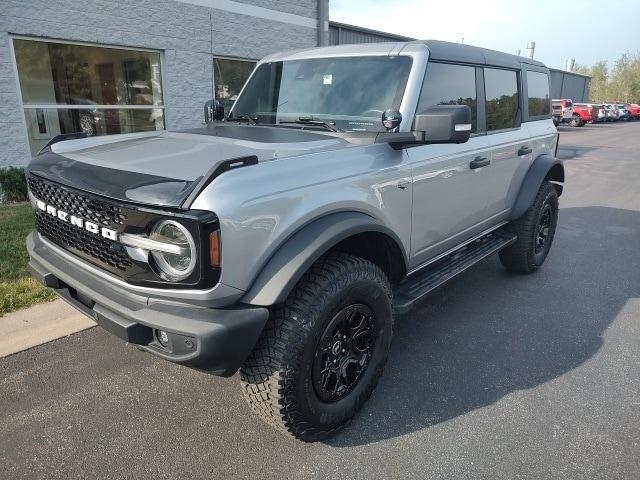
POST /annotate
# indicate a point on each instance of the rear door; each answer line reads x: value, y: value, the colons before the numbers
x: 511, y: 152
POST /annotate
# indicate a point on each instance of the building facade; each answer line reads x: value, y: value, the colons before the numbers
x: 343, y: 34
x: 570, y: 85
x: 107, y: 67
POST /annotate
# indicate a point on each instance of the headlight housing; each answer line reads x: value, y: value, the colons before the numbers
x: 179, y: 265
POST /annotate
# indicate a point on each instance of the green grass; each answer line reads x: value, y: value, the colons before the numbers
x: 17, y: 288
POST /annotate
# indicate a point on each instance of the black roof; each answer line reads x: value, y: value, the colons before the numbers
x: 459, y: 52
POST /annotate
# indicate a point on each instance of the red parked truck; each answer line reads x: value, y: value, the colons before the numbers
x: 634, y: 111
x: 583, y: 113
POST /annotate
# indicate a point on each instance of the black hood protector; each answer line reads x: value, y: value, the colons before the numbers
x: 131, y: 187
x: 131, y: 169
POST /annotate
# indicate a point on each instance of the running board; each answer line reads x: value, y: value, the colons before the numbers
x: 412, y: 289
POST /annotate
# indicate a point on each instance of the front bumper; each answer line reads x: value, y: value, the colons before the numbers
x: 216, y: 340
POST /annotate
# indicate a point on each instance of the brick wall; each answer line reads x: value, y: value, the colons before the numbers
x: 181, y: 30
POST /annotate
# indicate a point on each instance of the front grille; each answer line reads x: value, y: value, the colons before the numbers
x: 90, y: 208
x: 122, y: 217
x: 73, y: 238
x: 95, y: 248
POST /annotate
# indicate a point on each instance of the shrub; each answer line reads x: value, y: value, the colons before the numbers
x: 13, y: 184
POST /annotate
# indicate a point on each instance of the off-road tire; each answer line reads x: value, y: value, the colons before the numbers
x: 277, y: 377
x: 521, y: 256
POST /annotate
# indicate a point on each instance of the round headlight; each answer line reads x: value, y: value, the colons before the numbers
x: 174, y: 267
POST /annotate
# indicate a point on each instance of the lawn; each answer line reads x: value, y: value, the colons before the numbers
x: 17, y: 288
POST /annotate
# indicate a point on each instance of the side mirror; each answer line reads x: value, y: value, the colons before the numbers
x: 391, y: 119
x: 213, y: 110
x: 444, y: 124
x: 439, y: 124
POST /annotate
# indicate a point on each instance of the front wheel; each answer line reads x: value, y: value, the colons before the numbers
x: 576, y: 121
x: 535, y: 230
x: 322, y: 352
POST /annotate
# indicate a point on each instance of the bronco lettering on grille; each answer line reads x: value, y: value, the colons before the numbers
x: 77, y: 221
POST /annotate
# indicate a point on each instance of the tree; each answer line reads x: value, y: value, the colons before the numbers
x: 621, y: 83
x: 599, y: 90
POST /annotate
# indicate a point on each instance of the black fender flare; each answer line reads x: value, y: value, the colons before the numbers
x: 294, y: 257
x: 544, y: 167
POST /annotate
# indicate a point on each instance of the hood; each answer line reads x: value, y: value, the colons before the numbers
x: 164, y: 168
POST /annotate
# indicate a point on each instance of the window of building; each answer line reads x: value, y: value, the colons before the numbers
x: 446, y: 84
x: 69, y: 88
x: 229, y: 77
x: 501, y: 87
x: 538, y: 93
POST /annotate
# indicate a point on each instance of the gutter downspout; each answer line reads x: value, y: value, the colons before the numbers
x: 323, y: 23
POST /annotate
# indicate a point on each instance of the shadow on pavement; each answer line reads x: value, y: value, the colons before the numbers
x: 490, y: 333
x: 571, y: 152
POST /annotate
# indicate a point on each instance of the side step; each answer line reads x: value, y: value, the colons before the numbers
x: 412, y: 289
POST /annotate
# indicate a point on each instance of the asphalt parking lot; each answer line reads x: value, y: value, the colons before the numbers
x: 495, y: 375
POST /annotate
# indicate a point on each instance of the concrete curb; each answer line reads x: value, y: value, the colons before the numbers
x: 39, y: 324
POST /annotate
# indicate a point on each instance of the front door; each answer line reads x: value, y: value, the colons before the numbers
x: 449, y: 196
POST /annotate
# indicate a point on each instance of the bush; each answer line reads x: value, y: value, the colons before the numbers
x: 13, y: 184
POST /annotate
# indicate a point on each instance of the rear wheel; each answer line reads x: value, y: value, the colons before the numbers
x: 323, y: 351
x: 535, y: 230
x: 576, y: 121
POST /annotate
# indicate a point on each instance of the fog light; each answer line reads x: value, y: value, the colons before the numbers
x: 163, y: 338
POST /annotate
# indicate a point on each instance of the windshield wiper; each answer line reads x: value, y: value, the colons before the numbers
x: 312, y: 121
x: 253, y: 120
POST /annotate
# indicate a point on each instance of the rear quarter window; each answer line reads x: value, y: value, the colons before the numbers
x: 538, y: 94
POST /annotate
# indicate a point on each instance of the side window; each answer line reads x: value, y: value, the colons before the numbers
x: 446, y: 84
x: 501, y: 87
x: 538, y: 94
x: 229, y: 76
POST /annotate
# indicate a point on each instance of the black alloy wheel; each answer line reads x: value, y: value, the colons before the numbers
x: 543, y: 229
x: 343, y: 352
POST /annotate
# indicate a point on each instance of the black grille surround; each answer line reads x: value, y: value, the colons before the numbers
x: 122, y: 217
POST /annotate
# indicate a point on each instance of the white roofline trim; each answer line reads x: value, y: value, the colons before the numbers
x: 258, y: 12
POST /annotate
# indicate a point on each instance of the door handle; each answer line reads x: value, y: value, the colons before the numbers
x: 479, y: 162
x: 402, y: 184
x: 524, y: 151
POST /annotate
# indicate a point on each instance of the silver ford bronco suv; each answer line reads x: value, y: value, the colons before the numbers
x: 280, y: 240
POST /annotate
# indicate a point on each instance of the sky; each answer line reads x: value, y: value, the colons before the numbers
x: 585, y: 30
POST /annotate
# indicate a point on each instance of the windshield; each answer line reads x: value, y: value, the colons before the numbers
x: 348, y: 92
